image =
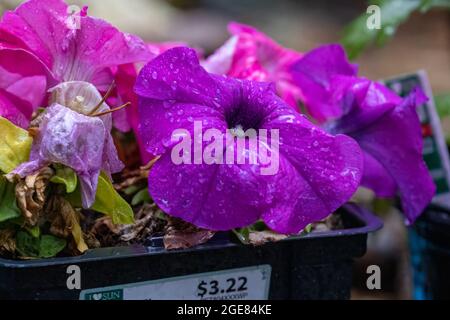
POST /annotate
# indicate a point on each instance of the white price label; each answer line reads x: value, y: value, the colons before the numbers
x: 250, y: 283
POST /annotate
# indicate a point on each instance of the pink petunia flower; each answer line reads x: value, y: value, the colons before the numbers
x: 80, y: 53
x: 23, y: 84
x: 77, y: 57
x: 125, y: 78
x: 252, y: 55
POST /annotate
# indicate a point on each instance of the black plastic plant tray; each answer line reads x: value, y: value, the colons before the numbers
x: 430, y: 254
x: 314, y: 266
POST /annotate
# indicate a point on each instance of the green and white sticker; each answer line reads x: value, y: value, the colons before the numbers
x: 435, y: 151
x: 250, y: 283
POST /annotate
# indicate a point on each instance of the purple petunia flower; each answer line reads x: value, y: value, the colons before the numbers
x: 70, y: 136
x: 318, y: 172
x: 386, y: 126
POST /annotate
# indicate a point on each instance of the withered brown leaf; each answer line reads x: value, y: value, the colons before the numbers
x: 134, y: 177
x: 7, y: 241
x: 183, y: 235
x: 65, y: 221
x: 148, y: 222
x: 258, y: 238
x: 31, y: 194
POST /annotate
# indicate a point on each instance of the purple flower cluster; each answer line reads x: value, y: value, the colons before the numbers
x: 354, y: 132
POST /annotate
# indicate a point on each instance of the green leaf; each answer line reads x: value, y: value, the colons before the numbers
x: 46, y: 246
x: 443, y: 105
x: 307, y: 229
x: 132, y: 190
x: 27, y: 245
x: 443, y: 109
x: 66, y: 176
x: 259, y: 226
x: 15, y: 145
x: 107, y: 201
x: 428, y: 4
x: 242, y: 234
x: 34, y: 231
x: 50, y: 246
x: 8, y: 204
x: 393, y: 13
x: 141, y: 197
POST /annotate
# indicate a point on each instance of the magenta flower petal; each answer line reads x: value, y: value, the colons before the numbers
x: 43, y: 27
x: 314, y: 74
x: 220, y: 62
x: 125, y: 77
x: 10, y: 108
x: 128, y: 118
x: 252, y: 55
x: 156, y: 48
x: 23, y: 83
x: 318, y: 172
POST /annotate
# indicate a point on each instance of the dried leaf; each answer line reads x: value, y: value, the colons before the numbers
x: 258, y: 238
x: 183, y: 235
x: 105, y: 232
x: 92, y: 241
x: 148, y: 222
x: 332, y: 222
x: 31, y: 195
x: 7, y: 241
x: 65, y: 221
x: 33, y: 132
x: 133, y: 179
x: 127, y: 149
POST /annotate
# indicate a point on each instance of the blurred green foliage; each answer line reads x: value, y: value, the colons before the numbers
x: 357, y: 36
x: 443, y: 108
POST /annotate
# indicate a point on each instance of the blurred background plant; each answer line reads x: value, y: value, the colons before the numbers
x: 358, y: 37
